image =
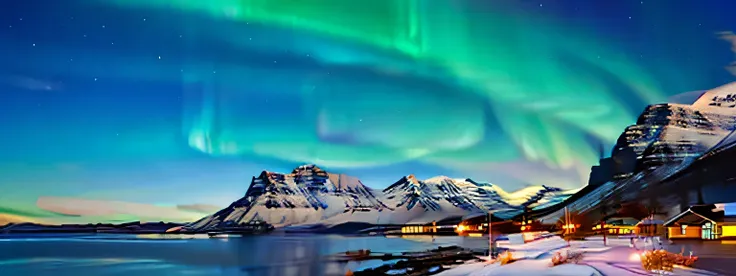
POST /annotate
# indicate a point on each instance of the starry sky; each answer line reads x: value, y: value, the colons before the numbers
x: 116, y: 110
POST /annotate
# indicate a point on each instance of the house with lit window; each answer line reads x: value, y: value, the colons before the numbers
x: 617, y: 226
x: 708, y: 222
x: 418, y: 229
x: 477, y: 224
x: 442, y: 227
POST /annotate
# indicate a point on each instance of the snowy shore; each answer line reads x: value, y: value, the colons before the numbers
x: 535, y: 258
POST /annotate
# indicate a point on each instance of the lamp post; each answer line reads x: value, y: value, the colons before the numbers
x: 490, y: 234
x: 567, y: 226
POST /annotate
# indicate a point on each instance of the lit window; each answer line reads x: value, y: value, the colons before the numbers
x: 683, y: 229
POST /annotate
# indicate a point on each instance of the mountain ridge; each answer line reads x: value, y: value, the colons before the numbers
x: 310, y: 195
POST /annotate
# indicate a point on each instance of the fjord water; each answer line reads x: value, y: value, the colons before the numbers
x: 300, y: 255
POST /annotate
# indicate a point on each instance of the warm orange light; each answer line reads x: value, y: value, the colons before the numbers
x: 571, y: 226
x: 728, y: 231
x: 460, y: 228
x: 523, y: 228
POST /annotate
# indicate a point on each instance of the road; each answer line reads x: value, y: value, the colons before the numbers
x: 715, y: 256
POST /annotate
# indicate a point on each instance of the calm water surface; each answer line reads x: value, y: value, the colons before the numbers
x: 256, y: 255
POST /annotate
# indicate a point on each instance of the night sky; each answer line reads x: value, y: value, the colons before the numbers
x: 118, y: 110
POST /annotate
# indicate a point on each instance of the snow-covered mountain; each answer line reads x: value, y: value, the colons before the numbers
x: 464, y: 194
x: 309, y: 195
x: 671, y: 133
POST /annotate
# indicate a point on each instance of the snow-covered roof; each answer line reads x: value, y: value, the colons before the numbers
x: 686, y: 212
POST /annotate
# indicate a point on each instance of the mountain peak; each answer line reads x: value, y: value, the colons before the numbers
x: 439, y: 179
x: 307, y: 168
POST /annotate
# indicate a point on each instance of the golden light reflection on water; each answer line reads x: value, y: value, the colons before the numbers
x: 171, y: 236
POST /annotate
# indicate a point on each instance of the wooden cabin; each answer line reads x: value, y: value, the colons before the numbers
x: 703, y: 223
x: 695, y: 223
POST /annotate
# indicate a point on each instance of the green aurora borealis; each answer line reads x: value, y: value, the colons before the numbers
x: 511, y: 92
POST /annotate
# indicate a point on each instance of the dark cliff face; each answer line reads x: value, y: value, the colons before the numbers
x: 667, y: 134
x: 654, y: 120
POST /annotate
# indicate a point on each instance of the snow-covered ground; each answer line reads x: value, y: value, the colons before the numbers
x: 536, y: 259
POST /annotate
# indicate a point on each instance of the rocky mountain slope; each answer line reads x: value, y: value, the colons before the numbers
x: 671, y: 133
x: 310, y: 195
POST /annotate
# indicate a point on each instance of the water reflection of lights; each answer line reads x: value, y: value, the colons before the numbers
x: 418, y: 238
x: 171, y: 236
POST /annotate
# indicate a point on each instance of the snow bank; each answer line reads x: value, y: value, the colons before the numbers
x: 522, y: 268
x: 536, y: 248
x: 597, y: 260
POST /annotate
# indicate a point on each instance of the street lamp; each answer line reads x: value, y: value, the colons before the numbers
x: 490, y: 234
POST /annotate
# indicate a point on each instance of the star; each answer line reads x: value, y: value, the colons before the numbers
x: 95, y: 79
x: 144, y: 19
x: 34, y: 44
x: 540, y: 5
x: 159, y: 57
x: 103, y: 26
x: 629, y: 17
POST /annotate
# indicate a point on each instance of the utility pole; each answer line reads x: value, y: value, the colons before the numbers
x: 567, y: 222
x: 567, y: 226
x: 605, y: 233
x: 490, y: 236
